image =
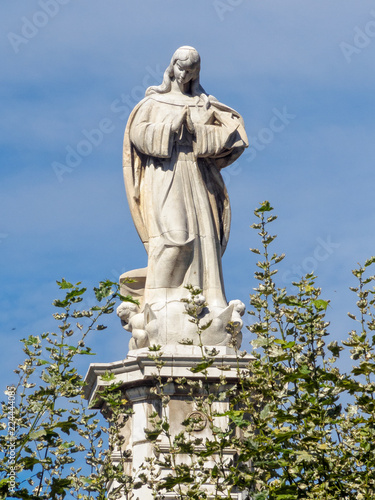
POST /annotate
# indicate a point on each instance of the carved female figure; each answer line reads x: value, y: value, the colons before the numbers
x: 176, y: 141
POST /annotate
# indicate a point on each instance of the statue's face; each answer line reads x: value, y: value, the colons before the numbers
x: 185, y: 71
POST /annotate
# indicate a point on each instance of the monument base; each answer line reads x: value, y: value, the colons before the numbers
x: 139, y: 377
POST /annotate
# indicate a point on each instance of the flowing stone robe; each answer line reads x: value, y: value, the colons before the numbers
x: 179, y: 203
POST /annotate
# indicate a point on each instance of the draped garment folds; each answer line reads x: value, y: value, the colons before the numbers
x: 177, y: 196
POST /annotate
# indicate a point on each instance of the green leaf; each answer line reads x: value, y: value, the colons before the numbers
x: 304, y: 370
x: 237, y: 417
x: 68, y: 445
x: 60, y: 303
x: 200, y: 367
x: 105, y: 289
x: 264, y: 207
x: 29, y: 462
x: 31, y: 340
x: 261, y: 496
x: 334, y: 348
x: 287, y: 496
x: 279, y: 258
x: 59, y: 485
x: 370, y: 261
x: 259, y: 342
x: 87, y: 352
x: 154, y: 347
x: 75, y: 293
x: 37, y: 434
x: 289, y: 345
x: 265, y: 412
x: 320, y: 304
x: 107, y: 376
x: 42, y: 362
x: 206, y: 325
x: 67, y: 425
x: 152, y: 434
x: 63, y: 284
x: 128, y: 298
x: 290, y: 300
x: 304, y: 456
x: 284, y: 344
x: 170, y: 481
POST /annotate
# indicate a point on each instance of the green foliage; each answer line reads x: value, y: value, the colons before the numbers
x: 290, y: 435
x: 51, y: 428
x: 291, y: 392
x: 295, y: 427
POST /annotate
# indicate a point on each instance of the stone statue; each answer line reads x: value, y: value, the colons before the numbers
x: 177, y: 140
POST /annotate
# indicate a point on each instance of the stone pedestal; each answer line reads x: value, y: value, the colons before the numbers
x: 137, y: 375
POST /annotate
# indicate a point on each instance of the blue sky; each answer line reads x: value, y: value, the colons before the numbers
x: 302, y: 75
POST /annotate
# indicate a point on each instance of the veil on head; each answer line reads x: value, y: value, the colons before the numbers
x: 182, y: 53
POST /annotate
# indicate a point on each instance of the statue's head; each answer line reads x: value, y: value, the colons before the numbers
x: 185, y: 64
x: 184, y: 67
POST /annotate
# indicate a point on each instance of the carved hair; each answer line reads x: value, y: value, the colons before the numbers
x: 182, y: 54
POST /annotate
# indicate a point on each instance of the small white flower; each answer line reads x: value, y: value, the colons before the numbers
x: 199, y: 300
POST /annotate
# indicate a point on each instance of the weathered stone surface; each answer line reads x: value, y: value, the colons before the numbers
x: 177, y: 140
x: 137, y: 376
